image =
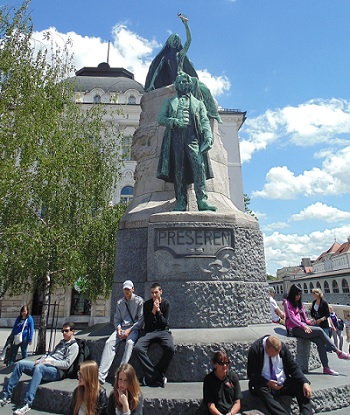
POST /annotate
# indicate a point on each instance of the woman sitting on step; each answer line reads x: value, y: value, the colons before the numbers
x: 126, y: 398
x: 89, y: 398
x: 299, y: 325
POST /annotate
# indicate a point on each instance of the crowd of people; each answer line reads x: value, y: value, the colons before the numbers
x: 271, y: 368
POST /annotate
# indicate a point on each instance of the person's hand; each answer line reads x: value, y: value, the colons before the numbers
x: 272, y: 384
x: 313, y: 322
x: 206, y: 145
x: 123, y: 399
x: 179, y: 122
x: 183, y: 18
x: 126, y: 333
x: 307, y: 390
x: 307, y: 330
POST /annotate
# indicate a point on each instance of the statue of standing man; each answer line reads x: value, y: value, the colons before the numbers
x: 188, y: 137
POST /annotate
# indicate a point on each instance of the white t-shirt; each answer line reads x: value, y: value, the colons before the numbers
x: 273, y: 306
x: 277, y: 365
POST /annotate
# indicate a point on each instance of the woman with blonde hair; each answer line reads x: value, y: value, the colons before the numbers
x: 89, y: 398
x: 320, y: 310
x: 126, y: 398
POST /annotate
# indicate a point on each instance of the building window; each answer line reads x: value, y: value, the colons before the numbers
x: 345, y: 286
x: 126, y: 194
x: 79, y: 304
x: 311, y: 286
x: 132, y: 100
x: 277, y: 289
x: 127, y: 148
x: 305, y: 288
x: 335, y: 287
x: 97, y: 99
x: 327, y: 290
x: 318, y: 285
x: 281, y: 289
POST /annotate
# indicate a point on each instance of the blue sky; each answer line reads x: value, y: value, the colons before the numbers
x: 287, y: 63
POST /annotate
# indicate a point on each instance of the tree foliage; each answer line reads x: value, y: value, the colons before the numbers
x: 58, y: 169
x: 247, y: 208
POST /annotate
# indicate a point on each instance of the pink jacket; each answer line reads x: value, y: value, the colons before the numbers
x: 294, y: 316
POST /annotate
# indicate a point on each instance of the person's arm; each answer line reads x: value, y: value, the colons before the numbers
x: 72, y: 402
x: 111, y: 404
x: 205, y: 127
x: 102, y: 401
x: 66, y: 363
x: 138, y: 409
x: 139, y: 323
x: 30, y: 329
x: 293, y: 316
x: 280, y: 313
x: 162, y: 316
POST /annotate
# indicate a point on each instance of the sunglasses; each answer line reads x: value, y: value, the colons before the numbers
x: 222, y: 363
x: 65, y: 330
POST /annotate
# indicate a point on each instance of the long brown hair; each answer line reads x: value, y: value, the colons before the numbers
x: 88, y: 393
x: 134, y: 390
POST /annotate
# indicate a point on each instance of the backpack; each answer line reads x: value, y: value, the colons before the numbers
x: 83, y: 354
x: 340, y: 325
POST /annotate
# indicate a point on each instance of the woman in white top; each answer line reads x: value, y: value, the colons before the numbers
x: 89, y: 398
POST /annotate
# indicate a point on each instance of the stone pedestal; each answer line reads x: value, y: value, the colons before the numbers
x: 210, y: 264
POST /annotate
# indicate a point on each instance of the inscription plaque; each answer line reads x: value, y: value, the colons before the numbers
x: 193, y: 242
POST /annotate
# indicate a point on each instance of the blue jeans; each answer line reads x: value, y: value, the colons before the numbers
x: 38, y: 372
x: 24, y: 350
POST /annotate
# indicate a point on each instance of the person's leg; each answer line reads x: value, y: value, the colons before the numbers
x: 14, y: 350
x: 24, y: 348
x: 129, y: 345
x: 293, y: 388
x: 341, y: 340
x: 108, y: 355
x: 141, y: 349
x: 335, y: 338
x: 180, y: 186
x: 23, y: 366
x: 316, y: 338
x: 273, y: 406
x: 167, y: 344
x: 40, y: 373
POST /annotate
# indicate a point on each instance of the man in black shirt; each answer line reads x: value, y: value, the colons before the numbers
x: 156, y: 316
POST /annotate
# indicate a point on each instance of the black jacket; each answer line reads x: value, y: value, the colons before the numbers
x: 256, y: 363
x: 101, y: 404
x: 323, y: 311
x: 160, y: 321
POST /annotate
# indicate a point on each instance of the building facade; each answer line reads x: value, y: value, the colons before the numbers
x: 330, y: 272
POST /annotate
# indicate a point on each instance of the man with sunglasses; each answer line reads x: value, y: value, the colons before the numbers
x: 128, y: 321
x: 48, y: 368
x: 273, y: 372
x: 221, y: 388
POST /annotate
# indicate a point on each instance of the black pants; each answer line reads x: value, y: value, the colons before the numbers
x: 291, y: 388
x: 155, y: 373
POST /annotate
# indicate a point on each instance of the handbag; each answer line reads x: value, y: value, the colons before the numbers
x: 18, y: 338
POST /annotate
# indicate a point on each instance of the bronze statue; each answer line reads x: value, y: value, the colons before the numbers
x: 188, y: 137
x: 173, y: 59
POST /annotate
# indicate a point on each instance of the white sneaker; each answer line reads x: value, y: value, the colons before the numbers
x: 4, y: 400
x: 21, y: 411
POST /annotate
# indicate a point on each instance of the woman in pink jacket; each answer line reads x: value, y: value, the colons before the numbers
x: 299, y: 325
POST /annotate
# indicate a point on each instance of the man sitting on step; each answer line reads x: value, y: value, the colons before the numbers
x: 156, y: 315
x: 128, y: 321
x: 48, y: 368
x: 272, y: 372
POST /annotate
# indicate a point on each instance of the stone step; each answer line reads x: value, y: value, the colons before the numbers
x: 329, y: 394
x: 194, y: 349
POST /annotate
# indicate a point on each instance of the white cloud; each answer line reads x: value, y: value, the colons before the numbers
x: 217, y: 84
x: 332, y: 179
x: 287, y: 250
x: 320, y: 211
x: 314, y: 122
x: 275, y: 225
x: 127, y: 49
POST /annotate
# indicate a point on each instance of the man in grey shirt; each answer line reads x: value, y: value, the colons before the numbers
x: 48, y: 368
x: 128, y: 320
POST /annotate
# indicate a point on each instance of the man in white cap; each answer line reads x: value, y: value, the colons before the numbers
x: 277, y: 314
x: 128, y: 320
